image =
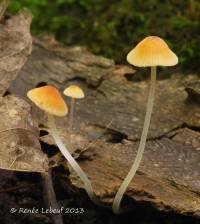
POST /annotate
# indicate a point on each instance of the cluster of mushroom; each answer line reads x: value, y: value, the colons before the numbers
x: 150, y: 52
x: 49, y: 99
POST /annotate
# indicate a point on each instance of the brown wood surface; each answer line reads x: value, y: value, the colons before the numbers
x: 169, y: 176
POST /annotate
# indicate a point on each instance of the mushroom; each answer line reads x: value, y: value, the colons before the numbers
x: 48, y: 99
x: 75, y: 92
x: 150, y: 52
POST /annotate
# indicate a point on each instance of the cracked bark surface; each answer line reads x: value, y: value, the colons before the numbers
x: 168, y: 178
x: 20, y: 149
x: 15, y: 45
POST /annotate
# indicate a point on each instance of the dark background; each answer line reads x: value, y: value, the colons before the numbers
x: 111, y: 28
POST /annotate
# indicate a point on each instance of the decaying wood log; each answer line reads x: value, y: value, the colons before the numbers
x: 20, y: 149
x: 15, y: 46
x: 3, y: 7
x: 169, y: 176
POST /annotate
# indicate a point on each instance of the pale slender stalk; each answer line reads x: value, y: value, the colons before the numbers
x: 138, y: 158
x: 71, y: 115
x: 70, y: 159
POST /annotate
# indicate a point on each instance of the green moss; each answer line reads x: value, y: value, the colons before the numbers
x: 112, y: 27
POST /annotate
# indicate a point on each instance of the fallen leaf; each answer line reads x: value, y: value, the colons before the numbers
x: 20, y: 148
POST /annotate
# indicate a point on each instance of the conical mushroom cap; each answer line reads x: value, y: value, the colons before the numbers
x: 49, y: 99
x: 152, y: 51
x: 74, y: 91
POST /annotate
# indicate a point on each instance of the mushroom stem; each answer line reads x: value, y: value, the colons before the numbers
x: 71, y: 115
x: 70, y: 159
x: 138, y: 158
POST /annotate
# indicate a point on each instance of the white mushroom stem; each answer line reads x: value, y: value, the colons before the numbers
x: 71, y: 115
x: 138, y: 158
x: 70, y: 159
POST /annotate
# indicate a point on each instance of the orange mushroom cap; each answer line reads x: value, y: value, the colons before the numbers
x: 49, y: 99
x: 152, y: 51
x: 74, y: 91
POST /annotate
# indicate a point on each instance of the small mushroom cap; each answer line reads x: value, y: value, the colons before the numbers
x: 49, y: 99
x: 74, y: 91
x: 152, y: 51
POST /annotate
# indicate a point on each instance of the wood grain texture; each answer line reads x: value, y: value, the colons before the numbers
x: 169, y: 176
x: 15, y: 47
